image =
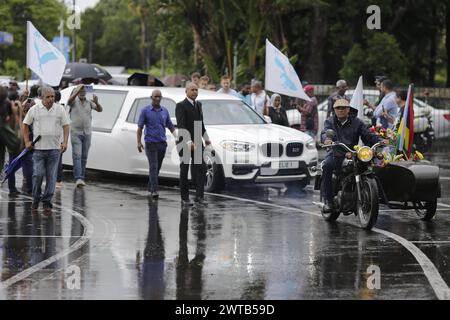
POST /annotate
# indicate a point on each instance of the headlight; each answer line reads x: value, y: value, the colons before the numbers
x: 311, y: 144
x: 365, y: 154
x: 237, y: 146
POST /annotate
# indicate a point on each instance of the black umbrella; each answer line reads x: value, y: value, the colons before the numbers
x: 76, y: 70
x: 142, y: 79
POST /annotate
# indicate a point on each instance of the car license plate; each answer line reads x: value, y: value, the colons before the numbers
x: 285, y: 165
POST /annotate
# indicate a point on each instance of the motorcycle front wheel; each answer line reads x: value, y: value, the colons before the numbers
x: 329, y: 216
x: 369, y: 206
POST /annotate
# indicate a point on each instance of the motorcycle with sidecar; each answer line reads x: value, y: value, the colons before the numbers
x: 360, y: 186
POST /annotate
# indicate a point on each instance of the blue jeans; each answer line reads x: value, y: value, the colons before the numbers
x: 155, y: 152
x: 59, y: 175
x: 80, y: 149
x: 27, y: 171
x: 330, y: 165
x: 45, y: 164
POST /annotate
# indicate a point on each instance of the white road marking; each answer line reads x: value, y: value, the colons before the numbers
x: 87, y: 234
x: 444, y: 205
x: 432, y: 242
x: 108, y: 237
x: 445, y: 178
x: 36, y: 236
x: 431, y: 272
x: 438, y: 284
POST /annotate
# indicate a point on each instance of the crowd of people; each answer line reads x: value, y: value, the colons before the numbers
x: 253, y: 94
x: 37, y: 113
x: 36, y: 121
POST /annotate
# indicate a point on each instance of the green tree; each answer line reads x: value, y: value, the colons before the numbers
x: 14, y: 14
x: 324, y: 36
x: 381, y: 55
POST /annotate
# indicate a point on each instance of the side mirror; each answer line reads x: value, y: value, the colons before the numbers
x: 330, y: 133
x: 268, y: 119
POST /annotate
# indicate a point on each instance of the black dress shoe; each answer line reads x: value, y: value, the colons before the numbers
x: 15, y: 193
x: 154, y: 195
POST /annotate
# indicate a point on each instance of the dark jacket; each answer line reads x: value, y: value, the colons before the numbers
x: 186, y: 114
x: 279, y: 117
x: 349, y: 134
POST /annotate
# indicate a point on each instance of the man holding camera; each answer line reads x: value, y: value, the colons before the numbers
x: 81, y: 129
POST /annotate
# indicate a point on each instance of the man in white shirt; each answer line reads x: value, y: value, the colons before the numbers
x: 260, y: 100
x: 47, y: 119
x: 225, y: 82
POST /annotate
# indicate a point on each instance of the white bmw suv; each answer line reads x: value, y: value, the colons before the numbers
x: 246, y: 148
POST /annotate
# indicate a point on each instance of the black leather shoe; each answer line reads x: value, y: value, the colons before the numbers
x: 155, y: 195
x: 328, y: 206
x: 15, y: 193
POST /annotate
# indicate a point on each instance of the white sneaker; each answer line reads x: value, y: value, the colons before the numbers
x: 80, y: 183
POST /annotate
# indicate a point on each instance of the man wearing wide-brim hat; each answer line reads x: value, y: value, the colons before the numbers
x: 348, y: 130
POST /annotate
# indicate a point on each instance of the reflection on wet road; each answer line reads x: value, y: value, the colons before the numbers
x: 270, y: 245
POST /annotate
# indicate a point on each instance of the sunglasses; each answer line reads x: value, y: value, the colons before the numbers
x: 340, y: 108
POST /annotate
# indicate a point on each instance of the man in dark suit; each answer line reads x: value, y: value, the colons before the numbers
x: 191, y: 130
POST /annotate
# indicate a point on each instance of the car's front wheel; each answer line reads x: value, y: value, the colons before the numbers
x: 215, y: 178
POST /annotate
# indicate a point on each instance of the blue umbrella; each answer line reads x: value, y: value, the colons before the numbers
x: 16, y: 163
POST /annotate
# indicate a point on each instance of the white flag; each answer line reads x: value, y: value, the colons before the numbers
x: 43, y: 58
x: 358, y: 98
x: 280, y: 74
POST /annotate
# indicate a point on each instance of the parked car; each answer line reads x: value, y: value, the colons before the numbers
x: 246, y: 148
x: 422, y: 111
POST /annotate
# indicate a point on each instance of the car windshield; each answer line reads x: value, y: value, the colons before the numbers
x: 229, y: 112
x: 112, y: 102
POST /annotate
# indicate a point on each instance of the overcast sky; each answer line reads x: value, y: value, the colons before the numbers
x: 82, y: 4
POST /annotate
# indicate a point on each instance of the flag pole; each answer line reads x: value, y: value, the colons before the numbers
x: 26, y: 78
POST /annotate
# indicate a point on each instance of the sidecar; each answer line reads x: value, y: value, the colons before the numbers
x: 410, y: 185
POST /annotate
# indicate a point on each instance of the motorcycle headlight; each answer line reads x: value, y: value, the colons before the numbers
x: 237, y: 146
x: 365, y: 154
x: 311, y: 144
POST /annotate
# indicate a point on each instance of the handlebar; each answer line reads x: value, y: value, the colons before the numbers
x: 337, y: 144
x: 340, y: 144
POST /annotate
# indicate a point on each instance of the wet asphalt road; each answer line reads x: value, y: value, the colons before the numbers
x: 257, y: 242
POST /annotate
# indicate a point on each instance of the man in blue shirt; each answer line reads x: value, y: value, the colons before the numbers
x: 156, y: 119
x: 245, y: 93
x: 387, y: 107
